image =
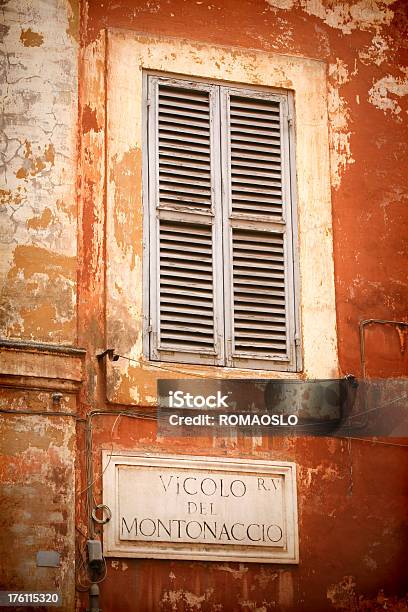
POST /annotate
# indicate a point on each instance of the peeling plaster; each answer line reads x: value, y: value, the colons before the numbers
x: 342, y: 595
x: 41, y: 222
x: 339, y: 116
x: 377, y: 52
x: 31, y: 39
x: 362, y: 15
x: 188, y: 600
x: 38, y: 167
x: 379, y: 94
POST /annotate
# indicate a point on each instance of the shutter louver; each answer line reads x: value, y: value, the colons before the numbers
x: 188, y: 314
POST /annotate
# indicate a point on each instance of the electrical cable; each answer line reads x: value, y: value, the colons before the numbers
x: 165, y: 368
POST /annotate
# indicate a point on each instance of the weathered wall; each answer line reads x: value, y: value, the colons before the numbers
x: 37, y: 500
x: 38, y: 176
x: 363, y: 43
x: 352, y: 511
x: 352, y: 494
x: 351, y: 526
x: 38, y: 208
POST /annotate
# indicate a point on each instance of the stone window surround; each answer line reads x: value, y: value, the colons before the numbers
x: 128, y: 55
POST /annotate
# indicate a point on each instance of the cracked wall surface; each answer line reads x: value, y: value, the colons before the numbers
x: 38, y: 261
x: 352, y: 502
x: 37, y: 497
x: 38, y: 170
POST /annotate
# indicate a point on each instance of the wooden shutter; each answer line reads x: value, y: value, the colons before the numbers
x: 185, y: 222
x: 258, y: 267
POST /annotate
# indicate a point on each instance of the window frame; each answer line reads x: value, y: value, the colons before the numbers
x: 228, y: 220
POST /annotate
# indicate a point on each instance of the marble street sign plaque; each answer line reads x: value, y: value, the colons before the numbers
x: 208, y: 508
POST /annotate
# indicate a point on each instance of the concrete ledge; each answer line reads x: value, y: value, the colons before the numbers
x: 41, y: 366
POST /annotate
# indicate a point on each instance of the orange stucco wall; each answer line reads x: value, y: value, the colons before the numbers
x: 352, y: 494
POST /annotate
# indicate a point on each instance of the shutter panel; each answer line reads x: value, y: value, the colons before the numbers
x: 185, y: 227
x: 257, y: 229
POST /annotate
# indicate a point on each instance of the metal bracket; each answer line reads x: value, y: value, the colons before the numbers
x: 352, y: 380
x: 110, y: 353
x: 104, y: 508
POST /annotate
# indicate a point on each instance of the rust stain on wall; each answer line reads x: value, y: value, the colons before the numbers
x: 89, y: 119
x: 31, y: 39
x: 128, y: 225
x: 40, y: 222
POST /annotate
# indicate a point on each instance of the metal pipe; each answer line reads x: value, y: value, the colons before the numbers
x: 94, y: 598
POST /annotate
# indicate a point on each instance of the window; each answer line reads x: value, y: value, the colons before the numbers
x: 220, y: 246
x: 132, y: 62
